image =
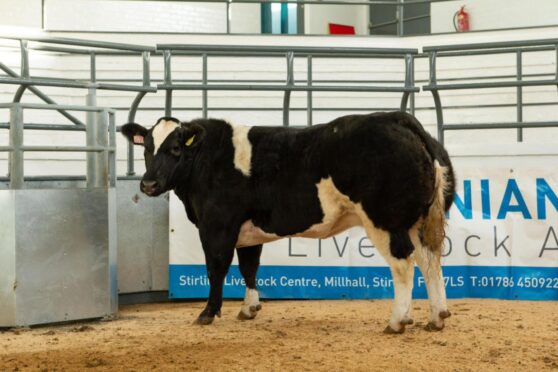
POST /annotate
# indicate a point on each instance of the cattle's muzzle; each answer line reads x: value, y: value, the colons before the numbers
x: 149, y: 187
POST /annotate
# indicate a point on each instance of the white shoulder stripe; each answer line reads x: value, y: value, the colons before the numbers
x: 242, y: 149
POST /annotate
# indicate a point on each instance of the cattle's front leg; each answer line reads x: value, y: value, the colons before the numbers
x: 218, y: 246
x: 248, y: 262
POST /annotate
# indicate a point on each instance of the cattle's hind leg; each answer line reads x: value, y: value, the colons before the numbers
x: 402, y: 270
x: 429, y: 264
x: 248, y: 262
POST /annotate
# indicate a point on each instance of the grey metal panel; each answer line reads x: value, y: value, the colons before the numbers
x: 62, y: 255
x: 143, y: 239
x: 7, y: 259
x: 160, y: 261
x: 112, y: 252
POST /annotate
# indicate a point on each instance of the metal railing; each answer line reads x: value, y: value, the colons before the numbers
x: 405, y: 87
x: 93, y: 49
x: 519, y: 48
x: 289, y: 53
x: 101, y: 154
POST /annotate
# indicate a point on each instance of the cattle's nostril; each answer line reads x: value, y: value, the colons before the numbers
x: 149, y: 185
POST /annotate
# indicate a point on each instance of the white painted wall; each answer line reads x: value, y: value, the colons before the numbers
x: 246, y: 18
x: 24, y: 13
x: 150, y: 16
x: 135, y: 16
x: 495, y: 14
x: 318, y: 17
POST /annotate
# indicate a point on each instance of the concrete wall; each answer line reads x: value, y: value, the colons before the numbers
x: 495, y: 14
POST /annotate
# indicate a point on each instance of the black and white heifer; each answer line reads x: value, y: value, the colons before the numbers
x: 245, y: 186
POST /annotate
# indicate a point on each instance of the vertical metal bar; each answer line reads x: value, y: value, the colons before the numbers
x: 400, y: 18
x: 300, y: 19
x: 91, y: 139
x: 309, y: 104
x: 16, y: 141
x: 131, y: 118
x: 168, y: 81
x: 146, y: 70
x: 290, y: 83
x: 24, y: 49
x: 229, y: 16
x: 412, y: 84
x: 519, y: 68
x: 42, y: 14
x: 102, y: 166
x: 130, y: 160
x: 556, y: 47
x: 204, y: 82
x: 112, y: 154
x: 408, y: 67
x: 93, y: 67
x: 436, y: 96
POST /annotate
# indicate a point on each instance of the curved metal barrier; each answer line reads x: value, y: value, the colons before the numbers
x: 519, y: 48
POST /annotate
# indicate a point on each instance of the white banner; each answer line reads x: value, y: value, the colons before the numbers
x: 502, y: 242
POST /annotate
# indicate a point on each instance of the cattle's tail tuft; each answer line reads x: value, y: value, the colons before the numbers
x: 433, y: 232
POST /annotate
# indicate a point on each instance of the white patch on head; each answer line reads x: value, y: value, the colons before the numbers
x: 242, y: 149
x: 251, y: 304
x: 161, y: 131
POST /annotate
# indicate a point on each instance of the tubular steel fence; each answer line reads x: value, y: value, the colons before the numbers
x: 519, y: 48
x: 169, y: 85
x: 144, y: 85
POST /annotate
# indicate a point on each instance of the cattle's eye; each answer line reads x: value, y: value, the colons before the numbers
x: 175, y: 151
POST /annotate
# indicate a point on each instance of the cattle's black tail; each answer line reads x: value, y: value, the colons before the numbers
x: 400, y: 244
x: 433, y: 230
x: 436, y: 152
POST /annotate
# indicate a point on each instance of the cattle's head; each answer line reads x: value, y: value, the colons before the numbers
x: 169, y: 148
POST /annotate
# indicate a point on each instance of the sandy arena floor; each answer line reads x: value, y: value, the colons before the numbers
x: 482, y: 335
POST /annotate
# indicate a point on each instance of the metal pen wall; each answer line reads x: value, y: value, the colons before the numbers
x: 514, y: 48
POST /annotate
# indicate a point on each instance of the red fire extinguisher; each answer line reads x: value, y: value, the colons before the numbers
x: 461, y: 20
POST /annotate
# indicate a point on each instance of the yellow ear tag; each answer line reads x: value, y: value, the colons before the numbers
x: 190, y: 140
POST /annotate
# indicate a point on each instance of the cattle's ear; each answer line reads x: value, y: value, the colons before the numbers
x: 135, y: 133
x: 192, y: 135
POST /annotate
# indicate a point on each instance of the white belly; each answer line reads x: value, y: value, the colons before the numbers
x: 252, y: 235
x: 338, y: 213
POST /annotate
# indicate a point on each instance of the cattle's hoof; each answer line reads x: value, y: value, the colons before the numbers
x: 407, y: 321
x: 433, y: 327
x: 390, y: 331
x: 248, y: 313
x: 444, y: 314
x: 204, y: 320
